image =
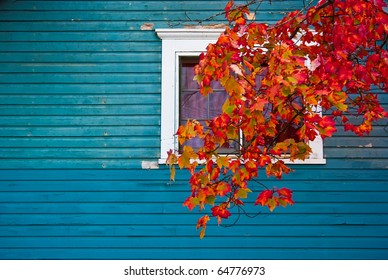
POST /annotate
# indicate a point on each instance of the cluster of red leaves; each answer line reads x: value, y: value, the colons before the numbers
x: 331, y: 57
x: 274, y: 198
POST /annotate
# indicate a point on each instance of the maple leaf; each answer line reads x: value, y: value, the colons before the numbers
x: 284, y: 192
x: 223, y: 188
x: 272, y: 203
x: 251, y: 166
x: 274, y: 198
x: 326, y: 127
x: 277, y: 169
x: 210, y: 199
x: 264, y: 160
x: 229, y: 6
x: 263, y: 197
x: 191, y: 129
x: 171, y: 161
x: 202, y: 223
x: 233, y: 87
x: 223, y: 161
x: 172, y: 173
x: 187, y: 158
x: 259, y: 104
x: 243, y: 192
x: 191, y: 202
x: 215, y: 173
x: 300, y: 150
x: 220, y: 212
x: 285, y: 196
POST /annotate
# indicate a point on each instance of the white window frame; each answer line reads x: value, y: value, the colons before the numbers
x: 192, y: 42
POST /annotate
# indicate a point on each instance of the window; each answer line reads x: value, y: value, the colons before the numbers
x: 180, y: 51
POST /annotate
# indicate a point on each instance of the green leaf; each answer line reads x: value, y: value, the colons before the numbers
x: 227, y: 107
x: 210, y: 199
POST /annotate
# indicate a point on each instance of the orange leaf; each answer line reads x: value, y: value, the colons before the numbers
x: 202, y: 222
x: 223, y: 188
x: 191, y: 202
x: 263, y: 160
x: 277, y: 169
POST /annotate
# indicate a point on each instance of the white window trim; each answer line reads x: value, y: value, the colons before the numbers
x: 190, y: 42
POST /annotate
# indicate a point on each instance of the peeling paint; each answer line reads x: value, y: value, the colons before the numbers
x: 149, y: 165
x: 147, y: 26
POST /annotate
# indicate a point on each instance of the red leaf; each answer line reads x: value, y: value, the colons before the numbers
x: 285, y: 195
x: 263, y: 197
x: 220, y: 213
x: 229, y: 6
x: 326, y: 126
x: 285, y: 192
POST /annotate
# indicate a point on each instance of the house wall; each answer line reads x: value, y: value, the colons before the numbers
x: 79, y: 113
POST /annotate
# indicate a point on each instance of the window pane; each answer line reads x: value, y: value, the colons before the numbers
x: 194, y: 105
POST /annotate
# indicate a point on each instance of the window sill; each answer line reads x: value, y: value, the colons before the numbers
x: 286, y: 161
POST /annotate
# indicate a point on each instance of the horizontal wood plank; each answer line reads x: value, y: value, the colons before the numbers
x: 209, y: 242
x: 13, y: 60
x: 136, y: 6
x: 140, y: 196
x: 48, y: 183
x: 190, y: 219
x: 162, y: 174
x: 26, y: 72
x: 213, y: 230
x: 175, y: 206
x: 193, y: 254
x: 81, y: 99
x: 82, y: 78
x: 80, y: 142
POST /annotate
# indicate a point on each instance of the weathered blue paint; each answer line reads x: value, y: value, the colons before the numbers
x: 79, y: 112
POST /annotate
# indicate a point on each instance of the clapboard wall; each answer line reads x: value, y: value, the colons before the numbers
x: 79, y: 112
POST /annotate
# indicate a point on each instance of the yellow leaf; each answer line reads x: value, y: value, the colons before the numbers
x: 185, y: 158
x: 271, y: 204
x: 202, y: 233
x: 243, y: 192
x: 232, y: 86
x: 222, y: 161
x: 172, y: 173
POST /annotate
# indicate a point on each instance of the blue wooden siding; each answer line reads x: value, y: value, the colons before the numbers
x: 79, y: 112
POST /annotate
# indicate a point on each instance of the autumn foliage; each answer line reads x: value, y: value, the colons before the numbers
x: 310, y: 72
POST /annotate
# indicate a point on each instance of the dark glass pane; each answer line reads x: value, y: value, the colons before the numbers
x: 194, y: 105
